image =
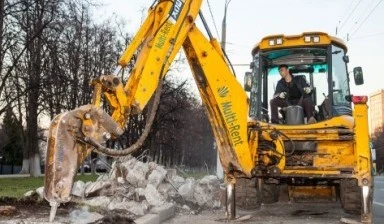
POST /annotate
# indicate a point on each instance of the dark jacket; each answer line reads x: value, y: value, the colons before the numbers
x: 295, y: 89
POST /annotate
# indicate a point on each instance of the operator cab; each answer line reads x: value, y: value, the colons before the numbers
x: 318, y: 58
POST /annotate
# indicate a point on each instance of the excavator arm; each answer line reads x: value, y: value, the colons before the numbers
x: 170, y: 26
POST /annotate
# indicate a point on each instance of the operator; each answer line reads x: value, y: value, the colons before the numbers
x: 292, y: 90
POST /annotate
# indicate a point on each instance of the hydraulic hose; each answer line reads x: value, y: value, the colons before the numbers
x: 137, y: 145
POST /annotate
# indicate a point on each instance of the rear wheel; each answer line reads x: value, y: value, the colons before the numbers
x: 246, y: 193
x: 350, y: 196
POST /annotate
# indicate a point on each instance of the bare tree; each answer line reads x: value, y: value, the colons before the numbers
x: 51, y: 50
x: 378, y: 144
x: 37, y: 15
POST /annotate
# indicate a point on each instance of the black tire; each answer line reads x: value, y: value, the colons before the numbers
x: 269, y: 192
x: 246, y: 194
x: 350, y: 196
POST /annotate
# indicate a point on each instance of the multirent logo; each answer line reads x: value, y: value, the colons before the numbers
x: 233, y: 125
x: 176, y: 10
x: 223, y: 91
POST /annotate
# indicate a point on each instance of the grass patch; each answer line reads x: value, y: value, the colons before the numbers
x: 16, y: 187
x: 87, y: 177
x: 197, y: 174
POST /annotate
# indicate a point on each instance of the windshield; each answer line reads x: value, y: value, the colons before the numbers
x: 340, y: 78
x: 310, y: 63
x: 313, y: 64
x: 315, y: 75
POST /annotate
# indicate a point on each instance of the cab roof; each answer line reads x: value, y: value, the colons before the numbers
x: 288, y: 41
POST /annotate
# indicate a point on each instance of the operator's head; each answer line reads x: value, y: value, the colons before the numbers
x: 283, y: 70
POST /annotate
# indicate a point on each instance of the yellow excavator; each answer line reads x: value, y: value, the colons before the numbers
x: 330, y: 158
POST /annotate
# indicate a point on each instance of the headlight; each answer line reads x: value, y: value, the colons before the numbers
x: 314, y: 39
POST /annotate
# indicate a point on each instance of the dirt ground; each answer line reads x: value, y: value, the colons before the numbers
x: 278, y: 213
x: 34, y: 210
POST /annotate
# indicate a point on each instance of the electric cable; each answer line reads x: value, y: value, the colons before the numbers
x: 369, y: 35
x: 213, y: 18
x: 364, y: 12
x: 345, y: 13
x: 349, y: 15
x: 366, y: 18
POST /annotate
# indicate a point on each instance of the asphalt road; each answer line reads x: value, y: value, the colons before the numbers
x: 378, y: 200
x: 291, y: 213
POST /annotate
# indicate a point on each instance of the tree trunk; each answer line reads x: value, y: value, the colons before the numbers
x: 32, y: 138
x: 35, y: 50
x: 1, y: 34
x: 35, y: 165
x: 25, y: 167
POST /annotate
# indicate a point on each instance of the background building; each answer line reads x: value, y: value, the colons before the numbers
x: 376, y: 110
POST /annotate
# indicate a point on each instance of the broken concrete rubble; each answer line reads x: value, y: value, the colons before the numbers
x: 95, y: 188
x: 157, y: 176
x: 99, y: 201
x: 167, y: 190
x: 78, y: 189
x: 187, y: 189
x: 208, y: 192
x: 137, y: 175
x: 139, y: 188
x: 82, y: 215
x: 176, y: 181
x: 153, y: 196
x: 136, y: 208
x: 40, y: 191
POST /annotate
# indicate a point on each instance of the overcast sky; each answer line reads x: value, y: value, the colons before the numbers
x: 250, y: 20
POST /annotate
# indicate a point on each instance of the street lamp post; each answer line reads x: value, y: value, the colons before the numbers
x: 224, y: 25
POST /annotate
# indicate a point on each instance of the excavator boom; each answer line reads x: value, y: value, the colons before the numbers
x: 170, y: 25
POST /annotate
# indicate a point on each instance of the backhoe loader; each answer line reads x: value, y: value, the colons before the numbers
x: 329, y: 158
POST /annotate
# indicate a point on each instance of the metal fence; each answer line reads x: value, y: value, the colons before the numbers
x: 9, y: 169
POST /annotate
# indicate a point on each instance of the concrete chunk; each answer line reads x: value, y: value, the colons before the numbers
x: 167, y: 190
x: 28, y: 193
x: 202, y: 196
x: 153, y: 196
x: 101, y: 201
x: 78, y: 189
x: 94, y: 188
x: 186, y: 190
x: 157, y: 176
x: 137, y: 176
x: 211, y: 181
x: 82, y: 215
x: 148, y: 219
x: 40, y: 192
x: 136, y: 208
x: 165, y: 211
x: 177, y: 181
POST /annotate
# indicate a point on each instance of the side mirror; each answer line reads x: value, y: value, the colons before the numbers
x: 248, y: 81
x: 358, y: 75
x: 346, y: 58
x: 252, y: 65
